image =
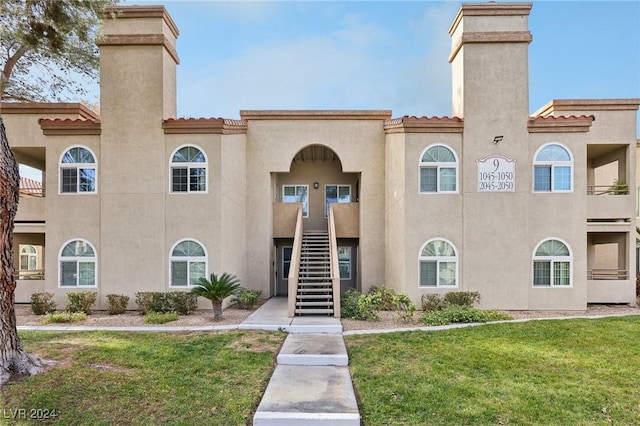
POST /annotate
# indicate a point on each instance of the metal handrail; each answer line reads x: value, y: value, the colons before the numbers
x: 31, y: 274
x: 607, y: 274
x: 294, y: 266
x: 606, y: 190
x: 335, y: 264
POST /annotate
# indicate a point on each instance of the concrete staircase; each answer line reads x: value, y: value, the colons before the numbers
x: 315, y: 293
x: 310, y: 385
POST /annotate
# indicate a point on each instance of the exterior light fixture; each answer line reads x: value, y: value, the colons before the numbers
x: 497, y: 139
x: 316, y: 185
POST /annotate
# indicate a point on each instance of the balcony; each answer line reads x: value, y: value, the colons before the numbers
x: 608, y: 177
x: 608, y: 261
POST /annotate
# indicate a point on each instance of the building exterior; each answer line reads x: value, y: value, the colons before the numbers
x: 520, y: 207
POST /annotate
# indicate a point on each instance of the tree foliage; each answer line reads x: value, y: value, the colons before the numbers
x: 47, y: 47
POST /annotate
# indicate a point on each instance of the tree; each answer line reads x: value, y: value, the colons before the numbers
x: 45, y: 46
x: 217, y: 289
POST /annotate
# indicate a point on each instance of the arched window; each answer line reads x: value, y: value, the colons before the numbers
x: 552, y: 264
x: 78, y: 265
x: 438, y: 170
x: 78, y: 171
x: 188, y: 263
x: 438, y: 264
x: 553, y: 169
x: 28, y: 258
x: 188, y: 170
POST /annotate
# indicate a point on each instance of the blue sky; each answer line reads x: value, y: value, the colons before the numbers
x: 383, y: 54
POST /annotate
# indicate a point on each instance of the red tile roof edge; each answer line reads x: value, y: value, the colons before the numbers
x: 565, y: 118
x: 423, y: 119
x: 63, y: 121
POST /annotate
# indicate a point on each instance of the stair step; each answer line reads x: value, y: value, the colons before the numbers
x: 307, y: 290
x: 314, y: 303
x: 313, y: 296
x: 314, y: 311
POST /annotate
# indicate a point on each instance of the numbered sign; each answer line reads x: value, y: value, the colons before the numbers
x: 496, y: 174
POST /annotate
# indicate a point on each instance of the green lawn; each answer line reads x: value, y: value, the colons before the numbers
x: 108, y: 378
x: 569, y: 372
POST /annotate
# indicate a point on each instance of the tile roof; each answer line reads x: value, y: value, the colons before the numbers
x: 70, y: 126
x: 204, y: 125
x: 31, y: 187
x: 562, y: 124
x: 413, y: 124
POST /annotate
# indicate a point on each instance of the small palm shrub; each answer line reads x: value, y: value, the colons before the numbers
x: 246, y: 299
x: 81, y: 301
x: 42, y: 303
x: 117, y: 303
x: 216, y: 289
x: 63, y: 317
x: 160, y: 317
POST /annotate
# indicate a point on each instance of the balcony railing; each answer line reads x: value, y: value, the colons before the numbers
x: 608, y: 274
x: 607, y: 190
x: 32, y: 274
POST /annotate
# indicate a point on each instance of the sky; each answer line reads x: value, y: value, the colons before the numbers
x: 383, y: 54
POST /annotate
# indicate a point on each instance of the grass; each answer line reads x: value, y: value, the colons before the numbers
x: 106, y: 378
x: 569, y: 372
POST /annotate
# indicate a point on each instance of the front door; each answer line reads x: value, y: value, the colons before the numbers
x: 283, y: 261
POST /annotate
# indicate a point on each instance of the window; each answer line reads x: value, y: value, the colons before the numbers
x: 188, y: 170
x: 438, y: 264
x: 552, y: 265
x: 286, y: 261
x: 78, y: 265
x: 188, y: 264
x: 28, y: 258
x: 344, y: 262
x: 336, y: 194
x: 553, y: 169
x: 77, y: 171
x: 297, y: 194
x: 438, y: 170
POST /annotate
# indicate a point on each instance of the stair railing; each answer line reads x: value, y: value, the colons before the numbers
x: 294, y: 267
x: 335, y: 264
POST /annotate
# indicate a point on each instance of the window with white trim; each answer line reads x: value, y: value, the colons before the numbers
x: 78, y: 265
x: 297, y: 194
x: 28, y: 258
x: 78, y: 171
x: 188, y: 170
x: 188, y: 264
x: 286, y: 261
x: 552, y: 262
x: 344, y: 262
x: 438, y: 170
x: 438, y: 264
x: 553, y: 169
x: 336, y: 194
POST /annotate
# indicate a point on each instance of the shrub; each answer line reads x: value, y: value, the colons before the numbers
x: 432, y: 302
x: 349, y: 303
x: 180, y: 302
x: 160, y: 317
x: 246, y: 299
x: 64, y: 317
x: 369, y: 306
x: 461, y: 314
x: 462, y: 298
x: 387, y: 297
x: 405, y: 307
x: 42, y: 303
x: 81, y: 301
x: 151, y: 301
x: 117, y: 303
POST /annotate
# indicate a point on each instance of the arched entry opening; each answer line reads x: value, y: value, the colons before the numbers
x: 315, y: 180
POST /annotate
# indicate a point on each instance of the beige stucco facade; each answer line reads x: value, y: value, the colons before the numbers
x: 397, y: 201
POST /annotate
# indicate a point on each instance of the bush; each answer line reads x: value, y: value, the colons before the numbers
x: 405, y: 307
x: 181, y: 302
x: 117, y: 303
x: 369, y: 306
x: 42, y: 303
x: 246, y: 299
x: 64, y: 317
x: 387, y: 297
x: 349, y: 303
x: 81, y: 301
x: 160, y: 317
x: 461, y: 314
x: 462, y: 298
x: 432, y: 302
